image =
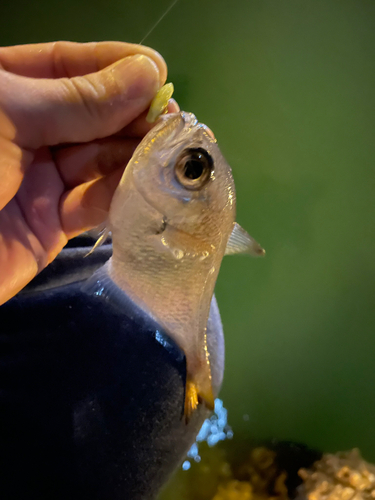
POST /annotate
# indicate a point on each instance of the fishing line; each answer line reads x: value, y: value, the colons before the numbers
x: 159, y: 20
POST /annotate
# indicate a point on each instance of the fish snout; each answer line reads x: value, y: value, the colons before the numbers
x: 189, y: 119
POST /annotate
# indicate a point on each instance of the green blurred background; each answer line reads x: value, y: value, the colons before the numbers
x: 288, y: 88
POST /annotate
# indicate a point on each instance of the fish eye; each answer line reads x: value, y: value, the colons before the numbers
x: 193, y: 168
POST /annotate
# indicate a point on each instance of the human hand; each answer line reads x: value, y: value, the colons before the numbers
x: 71, y: 116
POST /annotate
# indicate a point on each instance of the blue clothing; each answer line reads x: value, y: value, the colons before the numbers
x: 91, y: 401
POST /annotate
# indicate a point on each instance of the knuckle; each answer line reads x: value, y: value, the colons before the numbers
x: 83, y: 92
x: 58, y: 65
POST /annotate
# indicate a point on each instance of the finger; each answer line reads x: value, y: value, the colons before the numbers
x: 173, y: 106
x: 68, y: 59
x: 87, y: 205
x: 13, y: 163
x: 87, y: 162
x: 21, y: 255
x: 38, y: 197
x: 79, y: 109
x: 139, y: 127
x: 30, y: 228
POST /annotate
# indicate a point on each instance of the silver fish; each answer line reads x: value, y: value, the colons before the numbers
x: 172, y: 219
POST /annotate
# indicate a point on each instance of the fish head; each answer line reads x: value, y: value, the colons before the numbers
x: 179, y: 171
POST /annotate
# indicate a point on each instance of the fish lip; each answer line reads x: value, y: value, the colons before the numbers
x: 189, y: 120
x: 187, y: 117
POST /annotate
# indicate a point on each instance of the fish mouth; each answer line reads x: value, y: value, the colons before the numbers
x: 187, y: 121
x: 191, y: 121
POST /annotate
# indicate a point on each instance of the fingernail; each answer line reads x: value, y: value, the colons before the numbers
x: 173, y: 107
x: 138, y: 75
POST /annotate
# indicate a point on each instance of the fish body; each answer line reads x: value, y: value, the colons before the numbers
x: 171, y: 218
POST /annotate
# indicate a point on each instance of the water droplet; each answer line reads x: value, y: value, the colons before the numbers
x: 205, y: 431
x: 178, y: 253
x: 218, y: 405
x: 193, y: 452
x: 186, y: 465
x: 213, y: 439
x: 204, y: 255
x: 213, y: 430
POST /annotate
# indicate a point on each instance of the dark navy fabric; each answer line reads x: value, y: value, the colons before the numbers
x: 90, y: 399
x: 71, y: 265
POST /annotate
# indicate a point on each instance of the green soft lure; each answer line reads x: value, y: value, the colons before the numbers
x: 159, y: 104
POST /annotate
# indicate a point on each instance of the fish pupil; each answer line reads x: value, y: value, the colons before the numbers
x: 193, y: 169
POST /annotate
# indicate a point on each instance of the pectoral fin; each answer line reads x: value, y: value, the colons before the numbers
x: 99, y: 242
x: 241, y: 242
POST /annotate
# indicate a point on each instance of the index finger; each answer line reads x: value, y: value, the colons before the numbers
x: 69, y: 59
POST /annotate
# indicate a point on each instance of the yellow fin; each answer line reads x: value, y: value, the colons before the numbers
x: 160, y: 102
x: 191, y: 400
x: 99, y: 241
x: 195, y: 395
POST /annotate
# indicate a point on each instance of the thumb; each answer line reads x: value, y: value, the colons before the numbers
x: 46, y: 112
